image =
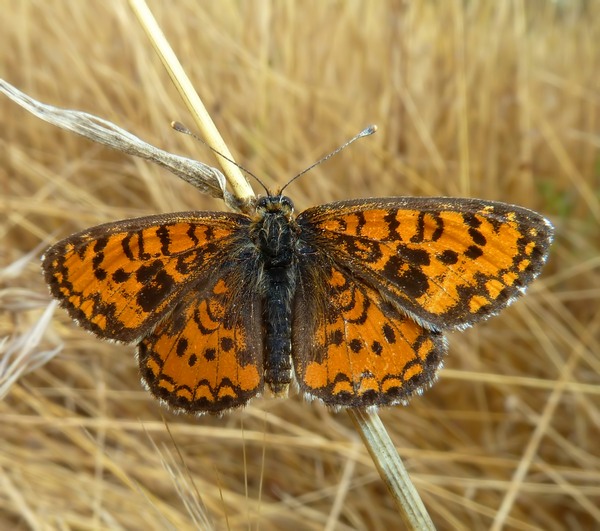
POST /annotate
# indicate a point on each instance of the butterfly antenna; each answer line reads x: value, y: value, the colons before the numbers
x: 365, y: 132
x: 180, y: 128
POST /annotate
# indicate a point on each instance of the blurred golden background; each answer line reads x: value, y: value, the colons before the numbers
x: 497, y: 100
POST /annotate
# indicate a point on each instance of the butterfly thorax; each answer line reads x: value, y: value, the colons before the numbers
x: 275, y: 234
x: 275, y: 231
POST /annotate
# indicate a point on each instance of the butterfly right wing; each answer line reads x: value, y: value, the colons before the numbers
x: 379, y: 279
x: 119, y: 279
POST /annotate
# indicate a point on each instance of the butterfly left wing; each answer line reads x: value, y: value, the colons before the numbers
x: 352, y: 347
x: 446, y: 262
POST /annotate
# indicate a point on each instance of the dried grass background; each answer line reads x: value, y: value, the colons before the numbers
x: 497, y: 100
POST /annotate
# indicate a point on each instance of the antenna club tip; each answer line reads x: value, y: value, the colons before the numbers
x: 369, y: 130
x: 178, y: 126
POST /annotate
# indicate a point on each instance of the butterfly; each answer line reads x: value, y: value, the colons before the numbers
x: 348, y: 300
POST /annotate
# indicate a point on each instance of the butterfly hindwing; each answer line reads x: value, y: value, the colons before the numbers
x: 119, y: 279
x: 208, y: 355
x: 446, y: 262
x: 354, y: 348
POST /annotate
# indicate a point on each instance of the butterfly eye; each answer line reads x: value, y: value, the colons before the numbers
x: 287, y: 204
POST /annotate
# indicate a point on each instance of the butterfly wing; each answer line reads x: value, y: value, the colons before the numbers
x: 182, y: 286
x: 207, y: 356
x: 379, y: 279
x: 354, y: 348
x: 119, y: 279
x: 445, y: 262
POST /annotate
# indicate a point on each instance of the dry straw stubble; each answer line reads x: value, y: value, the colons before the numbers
x: 490, y: 101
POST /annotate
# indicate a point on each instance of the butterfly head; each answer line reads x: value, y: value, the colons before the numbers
x: 275, y: 204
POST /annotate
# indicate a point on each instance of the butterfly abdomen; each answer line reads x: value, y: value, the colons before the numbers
x: 277, y: 318
x: 275, y: 236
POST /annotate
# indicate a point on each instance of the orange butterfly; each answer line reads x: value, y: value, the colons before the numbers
x: 349, y: 300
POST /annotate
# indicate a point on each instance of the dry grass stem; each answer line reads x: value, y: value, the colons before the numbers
x: 240, y: 186
x: 391, y: 469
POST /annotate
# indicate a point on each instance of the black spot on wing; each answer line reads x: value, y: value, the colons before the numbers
x: 150, y: 296
x: 473, y: 252
x: 164, y: 237
x: 448, y: 257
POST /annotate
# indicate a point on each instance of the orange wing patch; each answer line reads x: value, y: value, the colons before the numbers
x: 119, y: 279
x: 360, y: 350
x: 447, y: 262
x: 204, y: 357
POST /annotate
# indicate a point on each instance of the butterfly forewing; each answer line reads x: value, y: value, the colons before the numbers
x: 445, y: 262
x: 119, y: 279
